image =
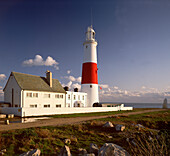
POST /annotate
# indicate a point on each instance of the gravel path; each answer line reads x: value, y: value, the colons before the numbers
x: 63, y: 121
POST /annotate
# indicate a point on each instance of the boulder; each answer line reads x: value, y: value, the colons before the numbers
x: 110, y: 149
x: 35, y: 152
x: 67, y: 141
x: 10, y: 115
x: 65, y: 151
x: 108, y: 124
x: 139, y: 126
x: 2, y: 116
x: 82, y: 152
x: 7, y: 122
x: 120, y: 128
x: 93, y: 149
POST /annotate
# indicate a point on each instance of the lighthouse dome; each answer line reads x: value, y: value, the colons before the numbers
x: 90, y: 34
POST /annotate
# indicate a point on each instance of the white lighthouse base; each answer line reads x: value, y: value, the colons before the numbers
x: 92, y: 93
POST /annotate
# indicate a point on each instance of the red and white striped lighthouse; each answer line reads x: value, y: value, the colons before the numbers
x: 89, y: 71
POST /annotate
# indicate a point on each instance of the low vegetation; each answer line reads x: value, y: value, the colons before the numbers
x: 154, y: 138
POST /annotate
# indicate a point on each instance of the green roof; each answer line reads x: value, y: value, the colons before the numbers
x: 37, y: 83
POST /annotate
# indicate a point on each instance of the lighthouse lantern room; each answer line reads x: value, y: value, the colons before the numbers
x: 89, y: 69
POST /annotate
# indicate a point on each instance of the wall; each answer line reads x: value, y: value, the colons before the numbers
x: 50, y: 111
x: 40, y: 101
x: 8, y: 92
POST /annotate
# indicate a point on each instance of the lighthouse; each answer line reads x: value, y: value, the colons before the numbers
x: 89, y: 81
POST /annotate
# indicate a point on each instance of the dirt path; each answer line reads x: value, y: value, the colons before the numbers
x: 63, y: 121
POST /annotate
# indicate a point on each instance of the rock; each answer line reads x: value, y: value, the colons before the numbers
x: 108, y: 124
x: 139, y: 126
x: 35, y: 152
x: 65, y: 151
x: 67, y: 141
x: 93, y: 149
x: 7, y: 122
x: 2, y: 116
x: 164, y: 106
x: 110, y: 137
x: 120, y: 128
x: 82, y: 152
x: 110, y: 149
x: 91, y: 154
x: 10, y: 115
x: 2, y: 153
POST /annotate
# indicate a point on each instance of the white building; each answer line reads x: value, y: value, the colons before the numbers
x: 76, y: 99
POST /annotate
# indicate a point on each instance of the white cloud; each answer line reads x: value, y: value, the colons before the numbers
x: 2, y: 76
x: 68, y: 71
x: 103, y: 86
x: 76, y: 85
x: 146, y: 94
x: 38, y: 61
x: 79, y: 79
x: 69, y: 84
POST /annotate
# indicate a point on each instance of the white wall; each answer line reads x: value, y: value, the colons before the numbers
x: 50, y: 111
x: 41, y: 100
x: 8, y: 92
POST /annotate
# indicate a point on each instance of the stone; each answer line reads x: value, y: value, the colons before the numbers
x: 108, y: 124
x: 65, y: 151
x: 139, y: 126
x: 82, y: 152
x: 120, y: 128
x: 35, y: 152
x: 67, y: 141
x: 164, y: 106
x: 91, y: 154
x: 10, y: 115
x: 110, y: 137
x: 7, y: 122
x: 110, y: 149
x: 93, y: 149
x: 2, y: 116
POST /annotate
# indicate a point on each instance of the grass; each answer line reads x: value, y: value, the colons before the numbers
x: 50, y: 139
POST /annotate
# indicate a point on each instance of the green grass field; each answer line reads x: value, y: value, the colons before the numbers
x: 50, y: 139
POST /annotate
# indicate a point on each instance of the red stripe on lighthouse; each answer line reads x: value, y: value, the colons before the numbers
x: 89, y: 73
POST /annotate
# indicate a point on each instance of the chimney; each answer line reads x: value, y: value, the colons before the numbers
x: 49, y: 78
x: 66, y: 88
x: 75, y: 89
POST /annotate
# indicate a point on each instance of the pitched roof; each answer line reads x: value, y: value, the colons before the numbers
x: 37, y: 83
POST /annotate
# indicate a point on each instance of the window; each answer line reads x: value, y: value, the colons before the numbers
x: 29, y: 95
x: 33, y: 105
x: 74, y: 97
x: 90, y: 86
x: 16, y: 105
x: 35, y: 94
x: 58, y: 105
x: 47, y: 106
x: 69, y: 97
x: 61, y: 96
x: 46, y: 95
x: 83, y: 97
x: 57, y: 96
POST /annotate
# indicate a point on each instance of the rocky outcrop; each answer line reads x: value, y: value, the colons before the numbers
x: 110, y: 149
x: 120, y: 128
x: 93, y: 149
x: 65, y: 151
x: 67, y: 141
x: 82, y: 152
x: 108, y: 124
x: 35, y: 152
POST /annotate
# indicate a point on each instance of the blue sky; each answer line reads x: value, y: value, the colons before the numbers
x: 133, y: 44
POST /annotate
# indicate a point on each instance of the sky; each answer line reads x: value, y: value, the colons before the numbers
x: 133, y: 44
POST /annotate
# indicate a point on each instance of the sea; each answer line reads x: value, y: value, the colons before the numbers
x: 145, y: 105
x: 141, y: 105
